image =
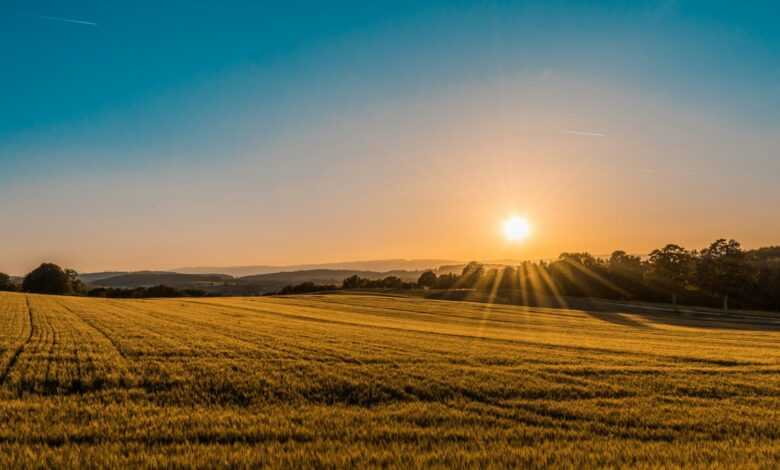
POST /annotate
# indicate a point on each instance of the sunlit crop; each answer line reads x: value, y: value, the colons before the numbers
x: 364, y: 380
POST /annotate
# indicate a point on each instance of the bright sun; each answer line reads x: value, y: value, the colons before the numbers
x: 516, y: 228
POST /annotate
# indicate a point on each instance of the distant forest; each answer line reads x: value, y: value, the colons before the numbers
x: 721, y: 275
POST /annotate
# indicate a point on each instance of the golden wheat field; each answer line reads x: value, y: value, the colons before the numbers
x: 369, y: 380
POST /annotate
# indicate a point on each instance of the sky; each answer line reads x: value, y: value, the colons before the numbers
x: 151, y: 135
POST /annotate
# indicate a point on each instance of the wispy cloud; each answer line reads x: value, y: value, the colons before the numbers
x: 67, y: 20
x: 584, y: 133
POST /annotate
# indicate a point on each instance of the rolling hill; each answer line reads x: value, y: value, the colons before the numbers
x: 326, y: 276
x: 228, y: 285
x: 90, y: 278
x: 371, y: 265
x: 154, y: 278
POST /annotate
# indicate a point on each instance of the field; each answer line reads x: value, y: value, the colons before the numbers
x: 369, y: 380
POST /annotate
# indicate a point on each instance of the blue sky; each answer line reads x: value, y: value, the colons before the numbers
x: 131, y: 113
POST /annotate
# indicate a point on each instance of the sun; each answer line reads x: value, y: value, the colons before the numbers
x: 516, y: 228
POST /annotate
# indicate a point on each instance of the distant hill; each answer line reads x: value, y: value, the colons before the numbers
x: 372, y: 265
x: 154, y: 278
x: 450, y: 269
x: 229, y: 285
x: 90, y: 278
x: 273, y: 282
x: 323, y: 275
x: 235, y: 271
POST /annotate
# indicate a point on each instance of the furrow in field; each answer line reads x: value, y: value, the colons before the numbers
x: 134, y: 332
x: 26, y: 333
x: 38, y: 364
x: 309, y: 339
x: 192, y: 323
x: 209, y: 382
x: 96, y: 362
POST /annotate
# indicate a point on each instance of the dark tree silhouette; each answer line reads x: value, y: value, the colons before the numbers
x: 428, y: 279
x: 305, y: 287
x: 392, y: 282
x: 769, y: 284
x: 48, y: 278
x: 76, y: 286
x: 162, y: 291
x: 723, y: 270
x: 620, y: 261
x: 352, y: 282
x: 6, y: 284
x: 582, y: 275
x: 508, y: 279
x: 585, y: 259
x: 627, y: 272
x: 446, y: 281
x: 671, y: 268
x: 471, y: 275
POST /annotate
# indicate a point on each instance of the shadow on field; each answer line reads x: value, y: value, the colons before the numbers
x: 617, y: 312
x: 617, y: 319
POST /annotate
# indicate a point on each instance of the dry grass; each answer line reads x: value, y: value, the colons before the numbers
x: 329, y: 381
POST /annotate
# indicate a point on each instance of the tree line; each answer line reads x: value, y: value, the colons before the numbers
x: 51, y: 279
x: 352, y: 282
x: 723, y: 274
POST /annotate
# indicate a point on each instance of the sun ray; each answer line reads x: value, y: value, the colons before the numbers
x: 595, y: 276
x: 545, y: 276
x: 522, y: 280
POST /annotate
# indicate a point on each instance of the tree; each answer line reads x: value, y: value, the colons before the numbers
x: 769, y: 284
x: 392, y: 282
x: 671, y: 267
x: 301, y: 288
x: 162, y: 291
x: 585, y: 259
x: 723, y: 269
x: 427, y: 279
x: 471, y: 274
x: 352, y: 282
x: 98, y: 292
x: 6, y: 283
x: 581, y: 275
x: 508, y: 279
x: 447, y: 281
x: 48, y: 278
x: 627, y: 272
x: 620, y: 261
x: 76, y: 286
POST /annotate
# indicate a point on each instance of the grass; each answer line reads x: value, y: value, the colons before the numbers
x: 370, y: 380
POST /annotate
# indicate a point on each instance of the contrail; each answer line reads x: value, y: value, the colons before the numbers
x: 67, y: 20
x: 584, y: 133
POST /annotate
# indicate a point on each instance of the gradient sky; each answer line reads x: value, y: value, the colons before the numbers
x: 160, y: 134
